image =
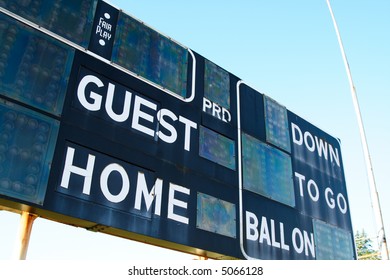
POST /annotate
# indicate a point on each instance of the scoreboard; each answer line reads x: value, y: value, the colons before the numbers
x: 109, y: 125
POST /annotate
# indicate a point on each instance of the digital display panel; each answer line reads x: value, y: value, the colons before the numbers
x: 217, y: 148
x: 151, y: 55
x: 267, y: 171
x: 34, y: 68
x: 72, y: 19
x: 27, y: 141
x: 276, y: 124
x: 332, y: 243
x: 216, y: 84
x: 216, y: 215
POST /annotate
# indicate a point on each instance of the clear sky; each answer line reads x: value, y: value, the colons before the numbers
x: 289, y: 51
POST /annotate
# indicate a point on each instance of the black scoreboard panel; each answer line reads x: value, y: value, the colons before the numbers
x: 109, y: 125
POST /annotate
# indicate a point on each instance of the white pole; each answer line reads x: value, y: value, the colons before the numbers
x: 370, y: 172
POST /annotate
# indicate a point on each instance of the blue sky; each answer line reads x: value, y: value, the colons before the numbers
x: 289, y: 51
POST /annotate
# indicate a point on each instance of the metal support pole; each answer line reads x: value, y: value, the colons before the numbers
x: 26, y: 223
x: 370, y: 172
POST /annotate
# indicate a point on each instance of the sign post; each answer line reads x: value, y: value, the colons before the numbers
x: 370, y: 171
x: 25, y: 227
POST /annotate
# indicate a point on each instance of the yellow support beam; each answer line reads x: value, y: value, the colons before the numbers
x: 26, y: 223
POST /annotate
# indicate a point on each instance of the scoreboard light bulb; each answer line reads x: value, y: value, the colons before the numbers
x: 276, y: 124
x: 151, y: 55
x: 26, y: 150
x: 267, y: 171
x: 216, y: 215
x: 28, y: 73
x: 217, y: 148
x: 216, y: 84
